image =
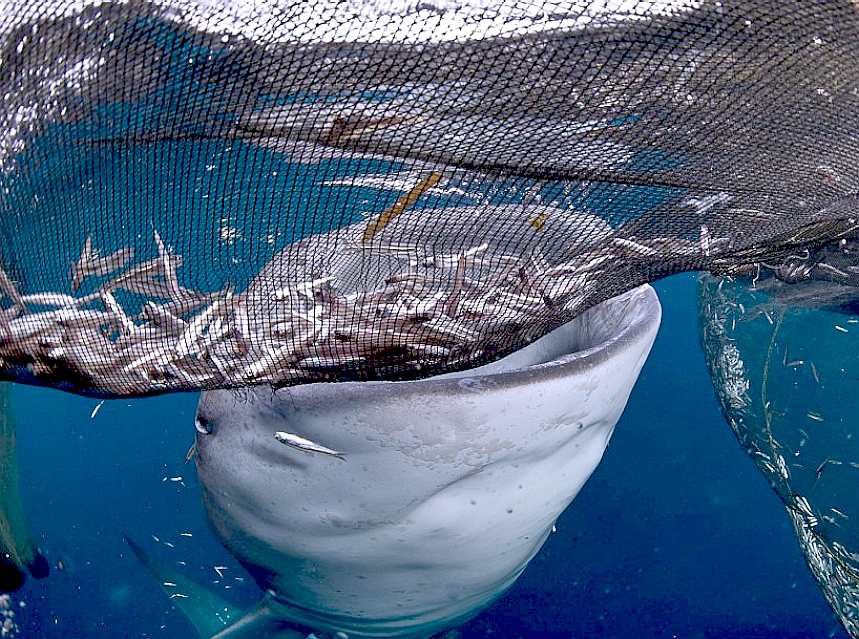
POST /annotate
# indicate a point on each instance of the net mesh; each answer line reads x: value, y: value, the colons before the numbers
x: 782, y: 360
x: 203, y: 195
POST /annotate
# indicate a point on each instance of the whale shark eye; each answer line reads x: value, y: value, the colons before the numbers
x: 203, y: 426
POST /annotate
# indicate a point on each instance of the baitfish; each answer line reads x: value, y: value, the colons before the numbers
x: 90, y: 263
x: 305, y: 444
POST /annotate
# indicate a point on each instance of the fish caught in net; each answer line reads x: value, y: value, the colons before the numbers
x: 198, y: 196
x: 782, y: 360
x: 201, y: 195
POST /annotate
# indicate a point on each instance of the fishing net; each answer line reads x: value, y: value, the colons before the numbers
x: 216, y: 194
x: 783, y: 361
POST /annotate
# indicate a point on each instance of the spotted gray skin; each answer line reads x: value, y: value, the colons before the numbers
x: 450, y: 485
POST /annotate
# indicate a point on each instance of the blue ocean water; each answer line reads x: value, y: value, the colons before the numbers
x: 675, y: 535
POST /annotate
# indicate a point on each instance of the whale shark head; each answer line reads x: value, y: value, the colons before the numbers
x: 443, y: 488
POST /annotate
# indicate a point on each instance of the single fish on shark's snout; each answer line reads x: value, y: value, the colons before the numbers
x: 302, y: 443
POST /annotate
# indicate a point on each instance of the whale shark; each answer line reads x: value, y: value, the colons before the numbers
x: 442, y: 490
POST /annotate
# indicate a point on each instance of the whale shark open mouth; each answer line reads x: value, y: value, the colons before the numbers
x: 442, y: 489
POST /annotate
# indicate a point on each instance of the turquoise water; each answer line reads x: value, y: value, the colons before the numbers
x: 675, y: 535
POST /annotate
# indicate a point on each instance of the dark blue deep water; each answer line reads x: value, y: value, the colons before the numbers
x: 675, y: 535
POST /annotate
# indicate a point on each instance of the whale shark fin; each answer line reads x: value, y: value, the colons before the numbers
x: 17, y: 548
x: 260, y: 622
x: 207, y: 611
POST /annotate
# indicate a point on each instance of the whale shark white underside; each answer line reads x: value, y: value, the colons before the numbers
x: 448, y: 486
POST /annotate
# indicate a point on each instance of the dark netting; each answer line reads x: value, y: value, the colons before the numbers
x: 200, y: 195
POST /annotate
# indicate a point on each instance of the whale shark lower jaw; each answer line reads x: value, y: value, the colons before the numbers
x: 443, y: 489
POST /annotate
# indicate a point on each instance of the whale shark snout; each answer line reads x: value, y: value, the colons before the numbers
x: 445, y: 488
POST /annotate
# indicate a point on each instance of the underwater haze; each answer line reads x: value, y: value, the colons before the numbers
x: 677, y: 534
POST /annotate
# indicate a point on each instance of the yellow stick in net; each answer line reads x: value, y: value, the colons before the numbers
x: 400, y: 205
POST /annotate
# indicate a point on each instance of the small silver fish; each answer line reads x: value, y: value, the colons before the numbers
x: 8, y: 288
x: 90, y: 263
x: 117, y: 311
x: 96, y: 409
x: 194, y: 331
x: 48, y: 299
x: 301, y: 443
x: 169, y: 267
x: 635, y: 247
x: 159, y: 315
x: 815, y: 373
